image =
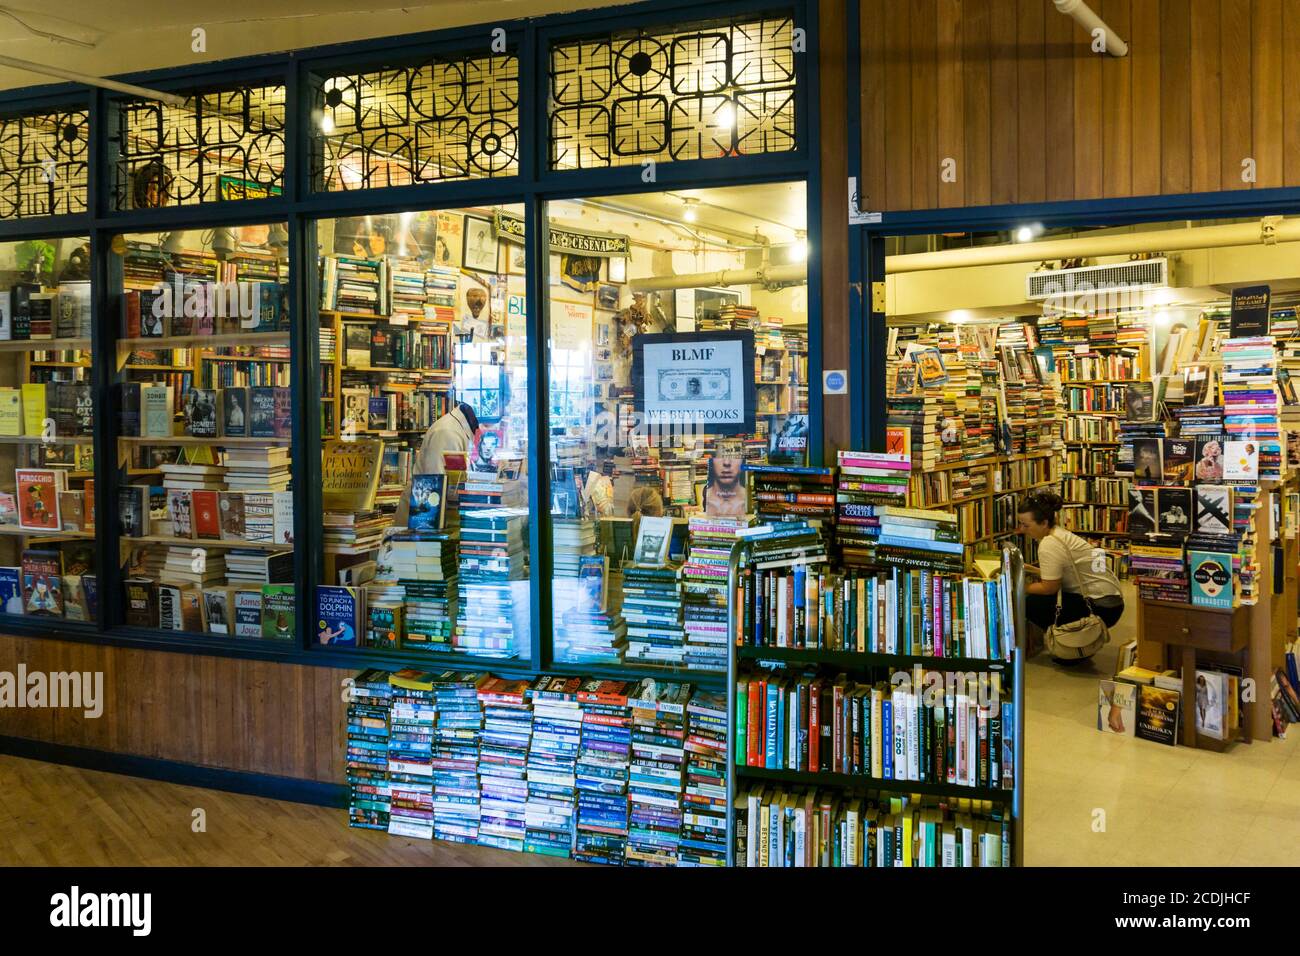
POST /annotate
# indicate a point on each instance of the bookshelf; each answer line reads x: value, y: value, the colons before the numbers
x: 994, y: 803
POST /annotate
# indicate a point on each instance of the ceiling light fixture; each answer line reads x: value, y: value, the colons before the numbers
x: 799, y: 251
x: 690, y: 214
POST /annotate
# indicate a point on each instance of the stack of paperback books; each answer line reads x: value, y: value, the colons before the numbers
x: 492, y: 586
x: 410, y: 754
x: 704, y: 588
x: 790, y: 492
x: 367, y: 753
x: 866, y: 481
x: 602, y: 771
x: 421, y: 566
x: 587, y: 628
x: 704, y: 804
x: 455, y: 757
x: 656, y: 779
x: 551, y: 773
x: 1250, y: 406
x: 652, y: 607
x: 502, y: 762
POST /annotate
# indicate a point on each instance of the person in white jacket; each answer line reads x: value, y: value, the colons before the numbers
x: 454, y: 432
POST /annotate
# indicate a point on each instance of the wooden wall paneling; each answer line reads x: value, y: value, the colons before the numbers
x: 22, y: 721
x: 1267, y: 91
x: 1058, y: 106
x: 1031, y: 92
x: 1005, y: 115
x: 1207, y: 158
x: 950, y: 106
x: 1175, y: 26
x: 1088, y: 128
x: 1235, y: 89
x: 925, y: 84
x: 898, y: 106
x: 871, y: 188
x: 1291, y: 103
x: 977, y: 102
x: 1146, y: 104
x: 1117, y: 106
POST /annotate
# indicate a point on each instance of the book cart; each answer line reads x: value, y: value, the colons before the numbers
x: 742, y: 657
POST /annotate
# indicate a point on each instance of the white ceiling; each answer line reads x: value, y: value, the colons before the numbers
x: 133, y: 35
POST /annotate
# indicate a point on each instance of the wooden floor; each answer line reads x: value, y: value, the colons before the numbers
x: 55, y: 815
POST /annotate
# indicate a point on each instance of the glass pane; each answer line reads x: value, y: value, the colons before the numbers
x: 453, y: 117
x: 47, y: 420
x: 639, y: 446
x: 424, y: 386
x: 220, y: 146
x: 43, y: 164
x: 700, y: 91
x: 205, y: 497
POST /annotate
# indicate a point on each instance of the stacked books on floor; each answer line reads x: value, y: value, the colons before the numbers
x: 410, y: 754
x: 551, y: 768
x: 937, y: 727
x: 704, y: 588
x: 588, y: 627
x: 656, y: 780
x: 652, y: 607
x: 503, y: 761
x: 601, y: 772
x: 366, y: 764
x: 455, y: 757
x: 492, y: 586
x: 704, y: 803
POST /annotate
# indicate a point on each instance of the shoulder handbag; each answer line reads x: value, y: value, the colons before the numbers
x: 1081, y: 638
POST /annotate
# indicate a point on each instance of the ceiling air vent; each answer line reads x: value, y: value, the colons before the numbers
x: 1138, y: 276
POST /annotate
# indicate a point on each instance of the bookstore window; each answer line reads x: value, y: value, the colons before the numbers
x: 219, y: 146
x: 47, y: 420
x: 424, y: 419
x: 449, y: 118
x: 678, y: 353
x: 43, y: 164
x: 699, y: 91
x: 205, y: 499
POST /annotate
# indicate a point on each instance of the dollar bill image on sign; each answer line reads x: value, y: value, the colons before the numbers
x: 694, y: 384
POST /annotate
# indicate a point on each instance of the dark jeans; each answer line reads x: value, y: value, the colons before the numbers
x: 1041, y: 609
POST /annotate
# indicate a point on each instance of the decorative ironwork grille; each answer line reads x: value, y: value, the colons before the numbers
x: 446, y: 119
x: 724, y: 88
x: 43, y: 164
x: 219, y: 146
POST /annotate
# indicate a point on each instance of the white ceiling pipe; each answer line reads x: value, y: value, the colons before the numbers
x: 1082, y: 14
x: 794, y: 272
x: 171, y: 99
x: 1117, y: 244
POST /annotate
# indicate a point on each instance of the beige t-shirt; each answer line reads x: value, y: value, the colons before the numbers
x: 1059, y: 549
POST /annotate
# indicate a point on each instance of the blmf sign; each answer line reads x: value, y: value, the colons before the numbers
x: 704, y: 380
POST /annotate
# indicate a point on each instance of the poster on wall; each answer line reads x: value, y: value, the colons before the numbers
x: 571, y: 324
x: 702, y: 380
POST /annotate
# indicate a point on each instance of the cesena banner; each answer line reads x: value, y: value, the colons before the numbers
x: 606, y: 244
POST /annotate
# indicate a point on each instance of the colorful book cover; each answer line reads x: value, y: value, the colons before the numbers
x: 427, y: 502
x: 1157, y: 714
x: 11, y: 589
x: 1179, y: 458
x: 282, y: 405
x: 1209, y: 458
x: 1240, y: 461
x: 33, y: 400
x: 74, y: 598
x: 42, y: 583
x: 1250, y: 308
x: 1116, y: 707
x: 278, y: 612
x: 338, y: 615
x: 248, y: 613
x: 1147, y: 459
x: 593, y: 582
x: 38, y: 499
x: 1212, y: 703
x: 261, y: 412
x: 205, y: 511
x: 141, y: 602
x: 11, y: 409
x: 1139, y: 402
x: 1211, y: 578
x: 8, y: 508
x: 191, y: 601
x: 234, y: 411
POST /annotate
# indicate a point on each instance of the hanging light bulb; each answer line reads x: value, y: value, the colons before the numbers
x: 689, y: 214
x: 799, y: 251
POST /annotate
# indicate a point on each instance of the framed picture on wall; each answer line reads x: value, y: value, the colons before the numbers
x: 617, y: 269
x: 480, y: 250
x: 513, y: 259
